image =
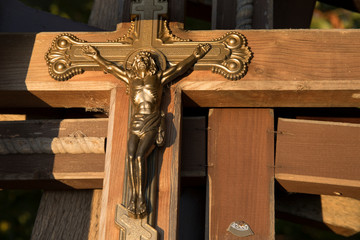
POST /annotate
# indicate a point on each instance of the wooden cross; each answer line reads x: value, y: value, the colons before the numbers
x: 229, y: 56
x: 284, y: 73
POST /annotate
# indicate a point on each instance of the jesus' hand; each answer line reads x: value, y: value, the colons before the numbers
x: 89, y: 51
x: 201, y: 50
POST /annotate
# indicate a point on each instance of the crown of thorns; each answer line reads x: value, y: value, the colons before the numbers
x: 147, y: 55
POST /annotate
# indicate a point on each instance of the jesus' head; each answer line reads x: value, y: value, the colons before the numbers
x: 143, y: 61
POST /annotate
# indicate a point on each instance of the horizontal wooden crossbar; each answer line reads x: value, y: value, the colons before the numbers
x: 290, y: 68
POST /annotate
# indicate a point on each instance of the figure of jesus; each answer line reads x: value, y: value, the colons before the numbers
x: 145, y: 81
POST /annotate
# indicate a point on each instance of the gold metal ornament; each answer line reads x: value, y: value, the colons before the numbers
x: 146, y: 58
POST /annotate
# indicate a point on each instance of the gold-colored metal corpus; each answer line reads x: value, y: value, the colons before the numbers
x: 145, y: 78
x: 146, y: 58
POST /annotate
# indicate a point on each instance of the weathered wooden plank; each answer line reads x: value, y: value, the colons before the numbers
x: 241, y: 175
x: 224, y: 14
x: 270, y: 93
x: 114, y: 164
x: 193, y: 147
x: 318, y: 157
x: 319, y: 68
x: 62, y: 171
x: 65, y: 215
x: 82, y: 171
x: 169, y: 168
x: 106, y: 14
x: 96, y: 127
x: 340, y: 214
x: 263, y: 14
x: 44, y: 171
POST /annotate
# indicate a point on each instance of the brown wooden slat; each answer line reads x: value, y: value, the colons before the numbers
x: 96, y: 127
x: 340, y: 214
x: 67, y: 215
x: 289, y: 68
x: 62, y: 171
x: 263, y: 14
x: 318, y: 157
x: 169, y: 168
x: 114, y: 164
x: 240, y: 159
x: 193, y: 147
x: 44, y: 171
x: 224, y: 14
x: 82, y: 171
x: 106, y: 14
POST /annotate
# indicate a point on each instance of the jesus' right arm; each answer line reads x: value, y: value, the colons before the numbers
x: 106, y: 65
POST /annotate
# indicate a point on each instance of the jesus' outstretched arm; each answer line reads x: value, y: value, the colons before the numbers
x: 106, y: 65
x: 173, y: 72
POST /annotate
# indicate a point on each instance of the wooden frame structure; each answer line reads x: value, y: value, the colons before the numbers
x: 290, y: 68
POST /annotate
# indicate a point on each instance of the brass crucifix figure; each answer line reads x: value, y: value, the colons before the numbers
x: 145, y: 81
x: 146, y: 58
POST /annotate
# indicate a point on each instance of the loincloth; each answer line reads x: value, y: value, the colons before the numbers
x: 143, y: 123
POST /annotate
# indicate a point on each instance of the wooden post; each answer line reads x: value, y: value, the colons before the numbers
x: 241, y: 171
x: 114, y: 163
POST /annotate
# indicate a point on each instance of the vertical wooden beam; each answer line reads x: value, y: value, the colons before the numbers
x: 169, y: 172
x: 114, y: 163
x: 106, y: 14
x: 177, y: 11
x: 241, y: 171
x: 223, y: 14
x: 230, y: 14
x: 263, y: 14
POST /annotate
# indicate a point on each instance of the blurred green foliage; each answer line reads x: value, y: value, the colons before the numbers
x: 78, y: 10
x: 17, y: 213
x: 327, y: 16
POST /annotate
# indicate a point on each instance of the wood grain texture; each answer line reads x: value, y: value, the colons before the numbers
x: 223, y: 14
x: 289, y: 68
x: 114, y: 163
x: 65, y: 215
x: 318, y: 157
x: 193, y: 147
x: 263, y: 14
x: 106, y: 14
x: 96, y: 127
x: 241, y: 175
x: 340, y: 214
x: 169, y: 168
x: 46, y: 171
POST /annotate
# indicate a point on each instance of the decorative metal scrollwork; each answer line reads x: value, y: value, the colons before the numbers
x: 59, y: 60
x: 236, y: 64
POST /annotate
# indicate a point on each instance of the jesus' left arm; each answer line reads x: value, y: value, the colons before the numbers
x: 179, y: 69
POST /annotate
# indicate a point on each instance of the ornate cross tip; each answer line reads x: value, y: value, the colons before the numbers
x: 133, y: 229
x: 235, y: 65
x: 59, y: 59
